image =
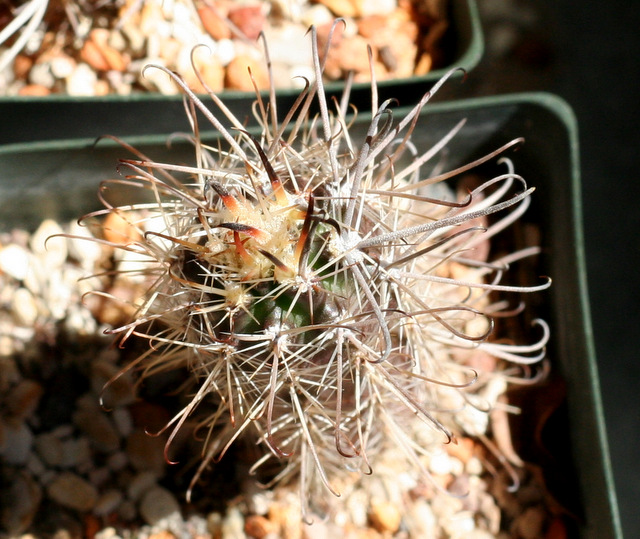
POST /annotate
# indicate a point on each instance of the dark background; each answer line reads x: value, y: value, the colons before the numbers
x: 589, y: 53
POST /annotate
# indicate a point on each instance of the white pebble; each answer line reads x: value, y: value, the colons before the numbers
x: 79, y: 321
x: 226, y: 51
x: 378, y: 7
x: 421, y: 520
x: 474, y: 466
x: 140, y: 484
x: 98, y: 428
x: 72, y: 491
x: 82, y: 81
x: 35, y: 465
x: 127, y: 510
x: 107, y: 533
x: 123, y: 421
x: 41, y: 74
x: 85, y: 251
x: 15, y: 261
x: 163, y: 82
x: 17, y: 444
x: 158, y: 504
x: 50, y: 448
x: 62, y: 431
x: 316, y: 15
x: 62, y: 66
x: 98, y: 476
x: 460, y: 525
x: 135, y: 38
x: 233, y: 524
x: 21, y: 499
x: 440, y: 463
x: 76, y: 452
x: 108, y: 502
x: 117, y: 461
x: 24, y: 307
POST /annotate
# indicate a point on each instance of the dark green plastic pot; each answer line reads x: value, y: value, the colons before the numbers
x: 59, y: 180
x: 63, y: 117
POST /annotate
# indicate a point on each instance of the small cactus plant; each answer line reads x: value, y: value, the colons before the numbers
x: 324, y: 292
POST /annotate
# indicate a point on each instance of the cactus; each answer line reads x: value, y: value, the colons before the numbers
x: 323, y: 294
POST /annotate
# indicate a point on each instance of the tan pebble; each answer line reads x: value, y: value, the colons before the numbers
x: 385, y: 516
x: 479, y: 360
x: 150, y: 16
x: 149, y: 416
x: 113, y: 312
x: 399, y: 55
x: 169, y: 50
x: 371, y: 26
x: 557, y: 529
x: 134, y: 37
x: 210, y: 69
x: 348, y: 54
x: 258, y: 526
x: 24, y: 398
x: 530, y: 524
x: 117, y: 40
x: 21, y: 499
x: 90, y: 53
x: 237, y: 75
x: 375, y: 7
x: 47, y: 243
x: 342, y: 8
x: 502, y: 433
x: 393, y: 38
x: 158, y: 503
x: 119, y: 229
x: 214, y: 525
x: 24, y: 307
x: 423, y: 65
x: 73, y: 492
x: 116, y: 389
x: 288, y: 518
x: 128, y: 511
x: 34, y: 90
x: 462, y: 450
x: 97, y: 52
x: 442, y: 480
x: 233, y: 524
x: 98, y: 428
x: 214, y: 22
x: 479, y: 534
x: 146, y: 452
x: 250, y: 20
x: 114, y: 58
x: 21, y: 66
x: 164, y: 534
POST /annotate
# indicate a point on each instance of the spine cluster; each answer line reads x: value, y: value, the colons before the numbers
x: 325, y: 296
